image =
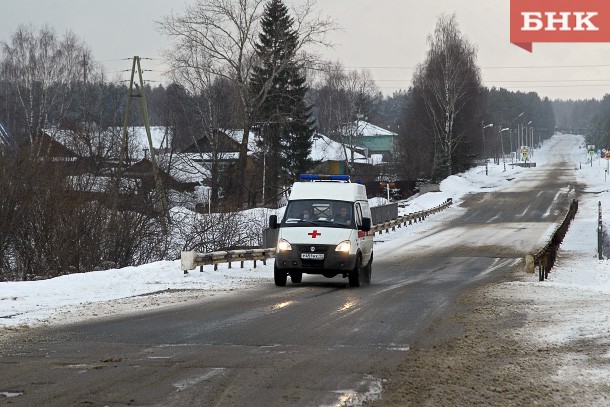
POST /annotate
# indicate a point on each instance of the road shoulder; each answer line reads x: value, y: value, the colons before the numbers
x: 505, y: 353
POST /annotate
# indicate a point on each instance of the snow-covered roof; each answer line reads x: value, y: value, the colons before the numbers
x: 366, y: 129
x: 325, y: 149
x: 138, y: 139
x: 238, y: 135
x: 158, y: 134
x: 186, y: 167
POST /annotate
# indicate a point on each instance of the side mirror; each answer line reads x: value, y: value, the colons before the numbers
x: 366, y: 224
x: 273, y: 222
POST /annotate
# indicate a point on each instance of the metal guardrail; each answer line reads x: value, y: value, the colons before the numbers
x: 409, y: 219
x: 189, y: 260
x: 545, y: 258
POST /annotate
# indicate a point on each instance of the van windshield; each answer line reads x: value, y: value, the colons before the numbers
x: 319, y: 212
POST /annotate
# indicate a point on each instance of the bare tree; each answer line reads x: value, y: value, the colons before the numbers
x: 344, y: 98
x: 447, y: 82
x: 215, y: 39
x: 42, y: 69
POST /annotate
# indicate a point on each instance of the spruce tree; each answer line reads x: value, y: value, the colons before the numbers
x: 284, y: 118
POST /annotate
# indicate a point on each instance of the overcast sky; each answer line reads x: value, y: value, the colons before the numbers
x: 386, y: 36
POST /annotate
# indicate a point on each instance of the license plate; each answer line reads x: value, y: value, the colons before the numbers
x: 312, y: 256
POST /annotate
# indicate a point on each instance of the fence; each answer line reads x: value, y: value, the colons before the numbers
x: 190, y: 259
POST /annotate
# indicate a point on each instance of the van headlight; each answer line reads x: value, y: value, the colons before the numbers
x: 344, y: 246
x: 283, y: 245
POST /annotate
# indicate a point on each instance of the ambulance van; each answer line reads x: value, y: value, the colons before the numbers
x: 325, y: 230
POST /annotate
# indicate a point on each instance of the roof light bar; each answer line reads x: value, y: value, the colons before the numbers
x: 324, y: 177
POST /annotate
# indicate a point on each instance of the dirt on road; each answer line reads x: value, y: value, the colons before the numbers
x: 504, y: 346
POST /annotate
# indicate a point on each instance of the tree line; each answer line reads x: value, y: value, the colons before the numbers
x: 589, y: 117
x: 255, y: 70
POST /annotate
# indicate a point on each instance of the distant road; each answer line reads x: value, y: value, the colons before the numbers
x: 318, y: 343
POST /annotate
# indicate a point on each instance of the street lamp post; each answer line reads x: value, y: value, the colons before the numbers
x: 530, y: 141
x: 484, y: 149
x: 502, y: 143
x: 511, y: 131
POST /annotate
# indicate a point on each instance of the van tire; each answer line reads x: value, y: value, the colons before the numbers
x: 355, y: 276
x: 296, y: 277
x: 279, y: 276
x: 368, y: 270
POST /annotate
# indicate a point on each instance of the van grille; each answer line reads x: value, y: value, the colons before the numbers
x: 317, y: 248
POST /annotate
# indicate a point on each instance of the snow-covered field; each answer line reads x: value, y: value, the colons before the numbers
x: 572, y: 304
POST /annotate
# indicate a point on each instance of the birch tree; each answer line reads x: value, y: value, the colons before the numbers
x: 448, y: 83
x: 42, y: 69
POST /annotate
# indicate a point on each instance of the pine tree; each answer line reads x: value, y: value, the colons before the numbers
x: 284, y: 118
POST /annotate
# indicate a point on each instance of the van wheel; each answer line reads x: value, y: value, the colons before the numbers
x: 355, y: 275
x: 368, y: 270
x: 296, y: 277
x: 279, y: 276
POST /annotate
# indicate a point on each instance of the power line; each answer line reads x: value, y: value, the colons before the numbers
x: 533, y: 86
x: 493, y: 67
x: 514, y: 81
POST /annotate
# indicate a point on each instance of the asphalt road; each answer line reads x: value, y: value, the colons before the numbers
x: 318, y: 343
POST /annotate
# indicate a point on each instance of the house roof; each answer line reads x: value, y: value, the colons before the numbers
x: 230, y: 142
x: 45, y: 146
x: 366, y: 129
x: 226, y: 144
x: 187, y: 168
x: 238, y: 136
x: 325, y: 149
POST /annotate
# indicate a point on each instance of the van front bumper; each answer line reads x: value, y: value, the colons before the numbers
x: 333, y: 260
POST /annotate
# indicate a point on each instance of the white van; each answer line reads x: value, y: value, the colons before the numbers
x: 326, y: 229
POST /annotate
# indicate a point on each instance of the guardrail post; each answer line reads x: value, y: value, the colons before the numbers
x: 529, y: 263
x: 599, y: 233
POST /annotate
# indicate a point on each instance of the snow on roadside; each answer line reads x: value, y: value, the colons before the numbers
x: 570, y: 310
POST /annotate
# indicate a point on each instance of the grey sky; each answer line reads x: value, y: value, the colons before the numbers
x: 386, y: 36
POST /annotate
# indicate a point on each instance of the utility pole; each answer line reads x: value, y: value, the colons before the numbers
x: 161, y: 196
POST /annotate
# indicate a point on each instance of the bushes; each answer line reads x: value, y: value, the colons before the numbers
x: 49, y: 229
x: 52, y: 225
